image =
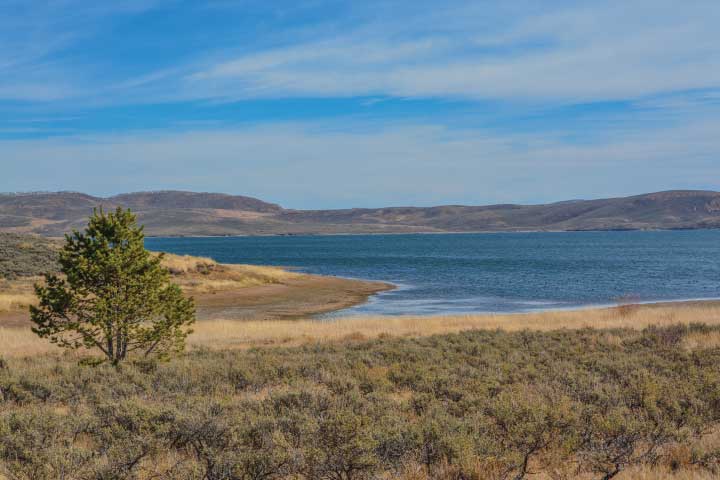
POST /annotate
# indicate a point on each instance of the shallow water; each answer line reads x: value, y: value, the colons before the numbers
x: 505, y: 272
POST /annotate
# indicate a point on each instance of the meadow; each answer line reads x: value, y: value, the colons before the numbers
x: 543, y: 397
x: 628, y: 392
x: 480, y: 404
x: 233, y: 334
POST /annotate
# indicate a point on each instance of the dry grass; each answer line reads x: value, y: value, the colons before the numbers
x: 698, y: 341
x: 657, y: 473
x: 229, y: 333
x: 10, y: 302
x: 22, y: 342
x: 179, y: 264
x: 198, y: 275
x: 230, y: 277
x: 17, y: 294
x: 640, y: 473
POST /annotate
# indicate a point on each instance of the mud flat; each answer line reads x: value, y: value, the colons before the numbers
x: 300, y: 297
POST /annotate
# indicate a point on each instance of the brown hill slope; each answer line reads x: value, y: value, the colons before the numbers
x: 187, y: 213
x: 189, y: 200
x: 673, y: 209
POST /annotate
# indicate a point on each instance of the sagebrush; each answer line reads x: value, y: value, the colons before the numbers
x: 475, y: 405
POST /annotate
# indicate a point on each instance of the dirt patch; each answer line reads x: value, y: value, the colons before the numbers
x: 300, y: 297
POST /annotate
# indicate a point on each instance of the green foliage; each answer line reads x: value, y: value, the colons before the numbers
x: 471, y: 406
x: 114, y: 297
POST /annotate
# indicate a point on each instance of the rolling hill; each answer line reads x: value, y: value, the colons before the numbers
x: 175, y: 213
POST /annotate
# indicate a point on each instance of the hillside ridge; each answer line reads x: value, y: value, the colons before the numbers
x: 185, y: 213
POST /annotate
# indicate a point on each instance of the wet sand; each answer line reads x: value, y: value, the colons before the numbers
x: 296, y: 298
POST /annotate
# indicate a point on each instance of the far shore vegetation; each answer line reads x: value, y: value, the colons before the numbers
x: 628, y: 392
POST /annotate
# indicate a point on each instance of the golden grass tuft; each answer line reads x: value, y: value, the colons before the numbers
x: 22, y: 342
x: 17, y: 294
x: 198, y: 275
x: 701, y: 341
x: 179, y: 264
x: 10, y: 302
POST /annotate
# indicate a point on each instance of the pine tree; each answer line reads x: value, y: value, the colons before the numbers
x: 115, y: 296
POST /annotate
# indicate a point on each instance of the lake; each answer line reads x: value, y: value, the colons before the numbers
x: 503, y: 272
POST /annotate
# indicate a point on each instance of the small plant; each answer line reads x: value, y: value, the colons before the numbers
x: 116, y: 297
x: 628, y: 305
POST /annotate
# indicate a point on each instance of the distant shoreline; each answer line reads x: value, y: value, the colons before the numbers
x: 189, y: 214
x: 690, y: 302
x: 489, y: 232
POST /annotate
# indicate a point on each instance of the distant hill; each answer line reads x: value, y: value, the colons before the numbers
x: 172, y: 213
x: 190, y: 200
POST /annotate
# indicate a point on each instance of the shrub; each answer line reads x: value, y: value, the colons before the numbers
x: 469, y: 406
x: 115, y: 297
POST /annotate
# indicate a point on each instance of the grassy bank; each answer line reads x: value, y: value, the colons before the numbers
x: 199, y: 275
x: 231, y: 334
x: 228, y: 334
x: 225, y: 291
x: 472, y: 405
x: 195, y: 275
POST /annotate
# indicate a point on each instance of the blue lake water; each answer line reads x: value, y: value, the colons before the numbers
x: 506, y: 272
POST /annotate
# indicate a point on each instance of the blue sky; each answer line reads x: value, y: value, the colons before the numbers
x: 327, y: 104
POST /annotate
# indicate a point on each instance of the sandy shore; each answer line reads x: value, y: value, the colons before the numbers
x: 300, y: 296
x: 295, y: 298
x: 242, y: 306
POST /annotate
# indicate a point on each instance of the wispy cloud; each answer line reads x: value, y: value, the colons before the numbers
x: 317, y: 165
x: 568, y: 51
x: 454, y: 101
x: 35, y: 38
x: 583, y: 52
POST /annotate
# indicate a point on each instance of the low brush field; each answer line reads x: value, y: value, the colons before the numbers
x: 26, y: 256
x: 631, y: 392
x: 479, y: 404
x: 23, y: 261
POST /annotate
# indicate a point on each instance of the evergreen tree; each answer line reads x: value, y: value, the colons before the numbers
x: 115, y: 296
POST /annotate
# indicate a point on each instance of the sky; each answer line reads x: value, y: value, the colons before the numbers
x: 334, y: 104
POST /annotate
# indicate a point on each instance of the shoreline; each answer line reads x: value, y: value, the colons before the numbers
x: 603, y: 306
x: 432, y: 232
x: 306, y: 296
x: 325, y: 298
x: 231, y: 334
x: 338, y: 314
x: 300, y: 295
